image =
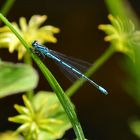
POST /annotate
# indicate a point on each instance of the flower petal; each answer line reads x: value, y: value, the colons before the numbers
x: 36, y: 21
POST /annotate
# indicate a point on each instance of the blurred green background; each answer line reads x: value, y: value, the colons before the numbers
x: 102, y: 117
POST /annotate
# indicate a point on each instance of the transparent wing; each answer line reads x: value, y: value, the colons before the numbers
x: 78, y: 64
x: 71, y: 75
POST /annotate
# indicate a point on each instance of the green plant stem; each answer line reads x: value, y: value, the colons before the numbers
x: 7, y: 6
x: 28, y: 60
x: 64, y: 100
x: 98, y: 63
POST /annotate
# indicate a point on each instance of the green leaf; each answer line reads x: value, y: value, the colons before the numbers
x: 15, y: 78
x: 57, y: 121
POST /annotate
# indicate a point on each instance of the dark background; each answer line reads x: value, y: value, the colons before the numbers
x: 102, y: 117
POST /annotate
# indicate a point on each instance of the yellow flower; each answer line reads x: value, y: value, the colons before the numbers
x: 122, y: 35
x: 43, y: 118
x: 30, y: 32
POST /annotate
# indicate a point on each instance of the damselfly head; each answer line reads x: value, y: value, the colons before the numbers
x: 35, y: 44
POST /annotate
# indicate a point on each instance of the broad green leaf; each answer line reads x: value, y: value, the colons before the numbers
x: 54, y: 112
x: 16, y: 78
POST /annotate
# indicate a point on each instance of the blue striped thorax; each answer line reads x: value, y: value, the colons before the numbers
x: 44, y: 50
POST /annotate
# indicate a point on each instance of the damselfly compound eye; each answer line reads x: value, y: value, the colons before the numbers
x: 35, y: 43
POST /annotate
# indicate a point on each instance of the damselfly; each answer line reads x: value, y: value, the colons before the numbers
x: 64, y: 61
